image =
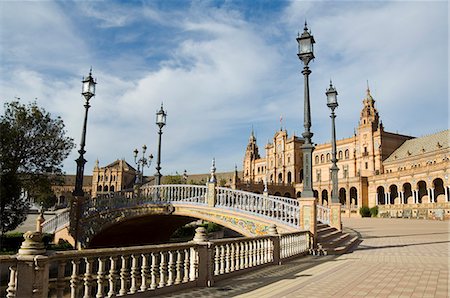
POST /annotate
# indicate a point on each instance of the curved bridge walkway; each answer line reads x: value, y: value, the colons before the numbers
x: 230, y: 204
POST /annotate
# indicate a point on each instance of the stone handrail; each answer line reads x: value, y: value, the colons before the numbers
x: 151, y: 269
x: 323, y: 214
x: 280, y: 209
x: 59, y: 220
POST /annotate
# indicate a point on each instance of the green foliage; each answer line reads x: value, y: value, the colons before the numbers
x: 33, y: 146
x: 200, y: 182
x: 222, y: 182
x: 211, y: 227
x: 364, y: 211
x: 374, y: 211
x: 173, y: 179
x: 13, y: 206
x: 62, y: 245
x: 11, y: 242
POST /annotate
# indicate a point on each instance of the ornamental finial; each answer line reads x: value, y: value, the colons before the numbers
x: 213, y: 171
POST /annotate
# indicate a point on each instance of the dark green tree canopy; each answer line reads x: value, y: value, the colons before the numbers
x: 32, y: 141
x: 33, y: 146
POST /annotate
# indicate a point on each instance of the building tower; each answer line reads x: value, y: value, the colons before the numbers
x: 369, y: 138
x: 251, y: 154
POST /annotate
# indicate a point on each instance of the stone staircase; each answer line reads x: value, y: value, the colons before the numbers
x: 330, y: 241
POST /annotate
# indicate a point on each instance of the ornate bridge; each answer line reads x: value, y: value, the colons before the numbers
x: 246, y: 213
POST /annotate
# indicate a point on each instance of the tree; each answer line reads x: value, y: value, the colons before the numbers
x: 32, y: 148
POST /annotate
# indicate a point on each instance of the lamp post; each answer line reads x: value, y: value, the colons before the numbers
x: 333, y: 104
x: 88, y: 91
x: 160, y: 121
x: 141, y: 163
x: 306, y: 54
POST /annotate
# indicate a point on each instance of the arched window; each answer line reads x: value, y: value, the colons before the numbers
x: 347, y: 154
x: 99, y: 188
x: 105, y: 188
x: 280, y: 178
x: 289, y: 177
x: 328, y: 157
x: 112, y: 188
x: 340, y: 154
x: 317, y: 159
x: 322, y: 158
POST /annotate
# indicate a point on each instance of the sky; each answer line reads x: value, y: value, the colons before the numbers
x: 221, y: 68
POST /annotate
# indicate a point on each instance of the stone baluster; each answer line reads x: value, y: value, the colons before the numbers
x: 162, y: 270
x: 179, y: 267
x: 112, y: 277
x: 447, y: 199
x: 222, y: 259
x: 232, y: 257
x: 144, y: 273
x: 258, y: 252
x: 11, y: 290
x: 246, y: 254
x: 88, y: 278
x: 186, y: 266
x: 227, y: 258
x: 134, y: 273
x: 216, y: 260
x: 241, y: 255
x: 60, y: 279
x: 101, y: 274
x: 124, y: 275
x: 154, y: 271
x: 170, y: 269
x: 74, y: 279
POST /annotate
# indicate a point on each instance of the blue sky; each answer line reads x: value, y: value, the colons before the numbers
x: 221, y: 67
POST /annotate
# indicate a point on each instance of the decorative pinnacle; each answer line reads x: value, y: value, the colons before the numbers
x: 213, y: 171
x: 306, y: 27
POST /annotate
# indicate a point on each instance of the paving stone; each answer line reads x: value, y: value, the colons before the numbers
x: 397, y: 258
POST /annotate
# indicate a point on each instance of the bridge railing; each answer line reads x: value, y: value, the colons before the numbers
x: 323, y: 214
x: 150, y: 270
x: 54, y: 223
x: 283, y: 210
x: 195, y: 194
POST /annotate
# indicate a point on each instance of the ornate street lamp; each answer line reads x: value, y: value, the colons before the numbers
x: 88, y: 91
x: 333, y: 104
x: 306, y: 54
x: 160, y: 121
x: 141, y: 163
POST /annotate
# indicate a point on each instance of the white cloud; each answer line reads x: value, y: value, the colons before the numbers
x: 223, y: 73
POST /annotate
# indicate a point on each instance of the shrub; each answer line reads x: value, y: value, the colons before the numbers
x: 364, y: 211
x: 374, y: 211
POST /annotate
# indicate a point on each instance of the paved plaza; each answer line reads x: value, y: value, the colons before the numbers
x: 396, y: 258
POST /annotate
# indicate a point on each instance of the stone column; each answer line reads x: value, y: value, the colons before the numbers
x: 202, y: 261
x: 335, y: 216
x: 308, y: 216
x: 276, y: 244
x: 32, y: 267
x: 429, y: 194
x: 211, y: 196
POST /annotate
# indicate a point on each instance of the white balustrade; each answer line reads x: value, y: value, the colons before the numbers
x: 323, y: 214
x: 280, y: 209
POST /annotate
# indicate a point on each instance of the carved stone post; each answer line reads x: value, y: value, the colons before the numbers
x: 335, y: 216
x: 32, y: 267
x: 276, y: 244
x: 202, y: 261
x: 308, y: 217
x: 211, y: 195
